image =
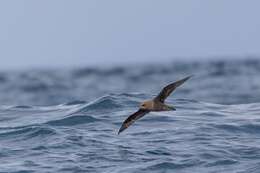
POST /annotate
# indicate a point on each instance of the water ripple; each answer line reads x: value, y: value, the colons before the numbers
x: 215, y: 128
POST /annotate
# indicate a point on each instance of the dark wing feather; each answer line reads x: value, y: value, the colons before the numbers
x: 132, y: 118
x: 166, y: 91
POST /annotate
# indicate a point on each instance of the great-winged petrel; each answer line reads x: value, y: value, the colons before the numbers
x: 156, y: 104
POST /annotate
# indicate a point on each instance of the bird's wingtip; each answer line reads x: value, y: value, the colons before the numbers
x: 192, y: 75
x: 188, y: 77
x: 122, y: 128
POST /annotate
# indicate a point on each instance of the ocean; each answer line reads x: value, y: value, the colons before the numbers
x: 66, y: 120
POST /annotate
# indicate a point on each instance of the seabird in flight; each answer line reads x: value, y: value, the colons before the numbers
x: 156, y: 104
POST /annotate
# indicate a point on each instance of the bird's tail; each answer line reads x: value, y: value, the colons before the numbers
x: 170, y: 108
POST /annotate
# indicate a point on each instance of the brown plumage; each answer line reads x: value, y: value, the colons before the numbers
x: 156, y: 104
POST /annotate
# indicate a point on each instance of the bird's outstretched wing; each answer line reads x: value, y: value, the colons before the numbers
x: 132, y: 118
x: 166, y: 91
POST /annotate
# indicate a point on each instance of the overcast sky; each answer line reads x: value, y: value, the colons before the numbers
x: 87, y: 32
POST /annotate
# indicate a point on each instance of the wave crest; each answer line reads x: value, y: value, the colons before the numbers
x: 73, y: 120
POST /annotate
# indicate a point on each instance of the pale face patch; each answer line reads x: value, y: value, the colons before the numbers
x: 147, y: 105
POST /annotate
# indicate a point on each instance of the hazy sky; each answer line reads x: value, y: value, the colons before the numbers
x: 87, y: 32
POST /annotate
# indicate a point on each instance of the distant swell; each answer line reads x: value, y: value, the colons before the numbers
x: 172, y: 165
x: 109, y: 102
x: 246, y: 128
x: 73, y: 120
x: 29, y: 132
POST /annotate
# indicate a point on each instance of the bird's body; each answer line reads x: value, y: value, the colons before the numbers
x: 156, y: 104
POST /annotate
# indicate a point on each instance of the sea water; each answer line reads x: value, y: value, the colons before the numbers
x: 66, y: 120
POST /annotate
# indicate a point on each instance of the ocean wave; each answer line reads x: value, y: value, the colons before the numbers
x: 112, y: 102
x: 235, y: 128
x: 76, y: 102
x: 73, y: 120
x: 28, y: 132
x: 173, y: 165
x: 199, y: 136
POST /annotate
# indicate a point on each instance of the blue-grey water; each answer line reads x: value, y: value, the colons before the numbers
x: 66, y: 120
